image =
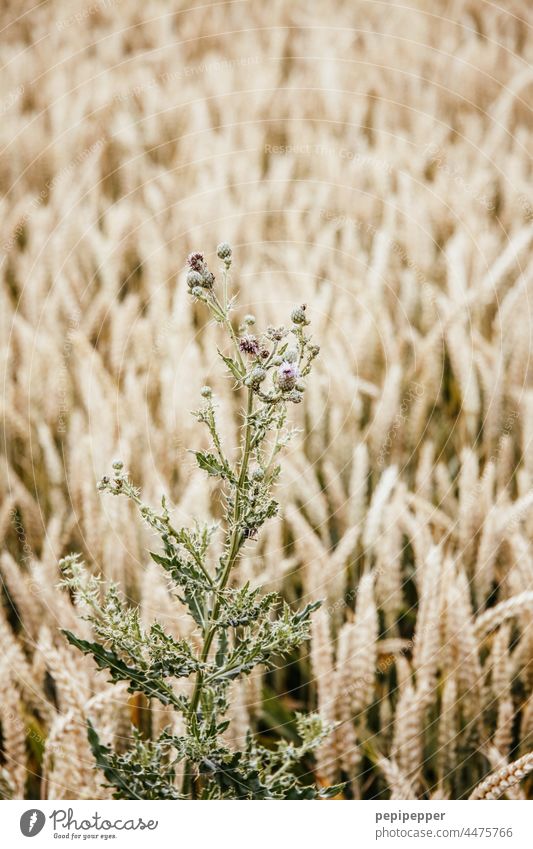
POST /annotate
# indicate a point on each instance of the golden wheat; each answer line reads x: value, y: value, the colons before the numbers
x: 375, y: 164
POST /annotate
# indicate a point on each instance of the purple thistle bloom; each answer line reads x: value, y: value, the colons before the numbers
x: 196, y: 261
x: 288, y: 374
x: 249, y: 344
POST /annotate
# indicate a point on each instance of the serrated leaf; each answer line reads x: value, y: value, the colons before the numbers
x: 331, y: 792
x: 165, y: 562
x: 229, y: 776
x: 272, y: 509
x: 233, y: 366
x: 210, y: 464
x: 306, y: 611
x: 190, y: 598
x: 139, y: 679
x: 101, y: 755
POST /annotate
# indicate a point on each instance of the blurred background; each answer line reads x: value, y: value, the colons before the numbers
x: 373, y: 160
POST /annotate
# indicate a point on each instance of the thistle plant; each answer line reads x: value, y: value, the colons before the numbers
x: 237, y: 628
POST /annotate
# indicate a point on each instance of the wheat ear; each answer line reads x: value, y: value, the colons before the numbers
x: 495, y: 616
x: 399, y: 784
x: 497, y: 783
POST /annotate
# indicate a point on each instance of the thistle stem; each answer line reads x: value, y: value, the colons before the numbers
x: 229, y: 327
x: 234, y: 546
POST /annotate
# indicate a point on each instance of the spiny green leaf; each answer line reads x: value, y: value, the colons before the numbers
x: 233, y: 366
x: 166, y: 562
x: 212, y: 465
x: 305, y: 613
x: 140, y: 680
x: 331, y: 792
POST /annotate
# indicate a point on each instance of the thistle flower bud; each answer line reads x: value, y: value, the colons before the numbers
x: 103, y: 483
x: 196, y: 261
x: 249, y: 344
x: 298, y: 315
x: 224, y: 251
x: 194, y: 278
x: 294, y: 396
x: 291, y: 356
x: 258, y: 474
x: 300, y: 386
x: 314, y: 350
x: 256, y: 377
x: 249, y: 319
x: 117, y: 465
x: 197, y: 292
x: 206, y: 392
x: 288, y: 374
x: 276, y: 334
x: 277, y: 361
x: 208, y: 279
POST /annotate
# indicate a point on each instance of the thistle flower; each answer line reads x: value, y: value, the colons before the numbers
x: 249, y: 344
x: 288, y: 374
x: 194, y: 278
x: 196, y: 261
x: 276, y: 334
x: 103, y: 483
x: 206, y: 392
x: 298, y: 315
x: 294, y: 396
x: 208, y: 279
x: 199, y: 275
x: 224, y: 251
x: 256, y: 377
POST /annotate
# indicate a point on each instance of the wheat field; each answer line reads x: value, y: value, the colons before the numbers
x: 372, y: 160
